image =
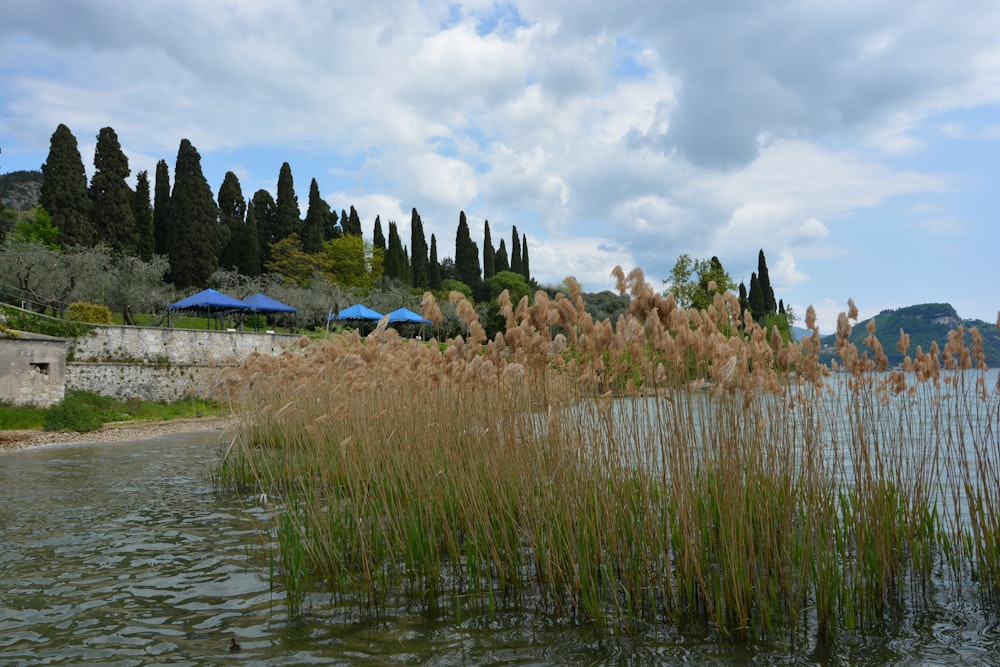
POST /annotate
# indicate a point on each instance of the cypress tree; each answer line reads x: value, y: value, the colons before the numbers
x: 501, y: 258
x: 395, y: 257
x: 744, y: 302
x: 143, y: 213
x: 525, y: 270
x: 193, y: 222
x: 767, y: 294
x: 331, y: 230
x: 312, y: 229
x: 265, y: 213
x: 232, y: 216
x: 489, y: 254
x: 287, y: 220
x: 353, y: 223
x: 112, y: 200
x: 248, y: 262
x: 435, y: 267
x: 64, y: 190
x: 466, y: 254
x: 161, y: 207
x: 419, y: 269
x: 756, y: 300
x: 378, y: 239
x: 515, y: 253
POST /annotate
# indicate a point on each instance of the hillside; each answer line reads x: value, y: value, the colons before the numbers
x: 19, y: 190
x: 924, y: 323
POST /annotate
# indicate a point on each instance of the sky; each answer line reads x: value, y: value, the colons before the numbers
x: 856, y: 143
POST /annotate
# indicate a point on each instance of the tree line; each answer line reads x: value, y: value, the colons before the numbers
x: 198, y: 232
x: 694, y: 283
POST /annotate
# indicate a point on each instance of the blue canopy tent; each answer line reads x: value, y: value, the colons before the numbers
x: 405, y: 316
x: 209, y: 301
x: 260, y: 303
x: 357, y: 314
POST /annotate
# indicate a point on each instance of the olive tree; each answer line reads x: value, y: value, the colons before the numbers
x: 47, y: 277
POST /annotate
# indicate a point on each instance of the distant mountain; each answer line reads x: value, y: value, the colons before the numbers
x: 20, y: 190
x: 798, y: 333
x: 924, y: 323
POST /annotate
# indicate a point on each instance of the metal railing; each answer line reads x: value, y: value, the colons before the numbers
x: 18, y: 298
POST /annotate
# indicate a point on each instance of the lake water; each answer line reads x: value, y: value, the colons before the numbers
x: 123, y: 554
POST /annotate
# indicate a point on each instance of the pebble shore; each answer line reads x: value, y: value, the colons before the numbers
x: 14, y: 440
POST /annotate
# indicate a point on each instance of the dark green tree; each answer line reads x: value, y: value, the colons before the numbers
x: 434, y: 270
x: 143, y: 212
x: 111, y: 199
x: 419, y: 265
x: 712, y: 280
x: 331, y: 226
x: 466, y: 255
x: 448, y: 271
x: 744, y: 301
x: 287, y: 220
x: 501, y: 263
x: 161, y: 207
x: 489, y: 254
x: 265, y: 213
x: 525, y: 269
x: 755, y: 299
x: 767, y: 294
x: 515, y: 253
x: 248, y: 262
x: 238, y: 252
x: 64, y: 190
x: 353, y: 223
x: 396, y: 265
x: 312, y: 229
x: 378, y: 239
x: 193, y: 229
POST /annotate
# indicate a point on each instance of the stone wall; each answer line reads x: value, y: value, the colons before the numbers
x: 155, y: 363
x: 144, y: 381
x: 164, y: 345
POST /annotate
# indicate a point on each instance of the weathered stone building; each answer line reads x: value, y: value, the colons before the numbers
x: 32, y: 368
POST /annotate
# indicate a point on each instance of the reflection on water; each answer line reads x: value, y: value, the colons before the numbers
x: 122, y: 554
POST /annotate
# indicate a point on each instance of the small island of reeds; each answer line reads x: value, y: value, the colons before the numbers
x: 675, y: 467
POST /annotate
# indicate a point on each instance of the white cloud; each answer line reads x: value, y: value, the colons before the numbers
x: 943, y: 225
x: 589, y: 260
x: 611, y: 133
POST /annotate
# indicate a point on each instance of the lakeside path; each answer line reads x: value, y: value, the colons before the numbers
x: 114, y: 432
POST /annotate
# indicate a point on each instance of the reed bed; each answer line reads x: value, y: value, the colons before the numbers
x: 677, y: 467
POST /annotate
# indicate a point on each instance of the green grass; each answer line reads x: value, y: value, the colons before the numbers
x: 85, y: 411
x: 20, y: 417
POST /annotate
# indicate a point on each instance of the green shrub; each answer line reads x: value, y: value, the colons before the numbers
x: 81, y: 311
x: 73, y: 413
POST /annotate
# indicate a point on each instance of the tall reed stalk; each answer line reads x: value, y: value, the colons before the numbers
x: 676, y: 467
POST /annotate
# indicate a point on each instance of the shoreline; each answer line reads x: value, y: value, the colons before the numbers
x: 12, y: 441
